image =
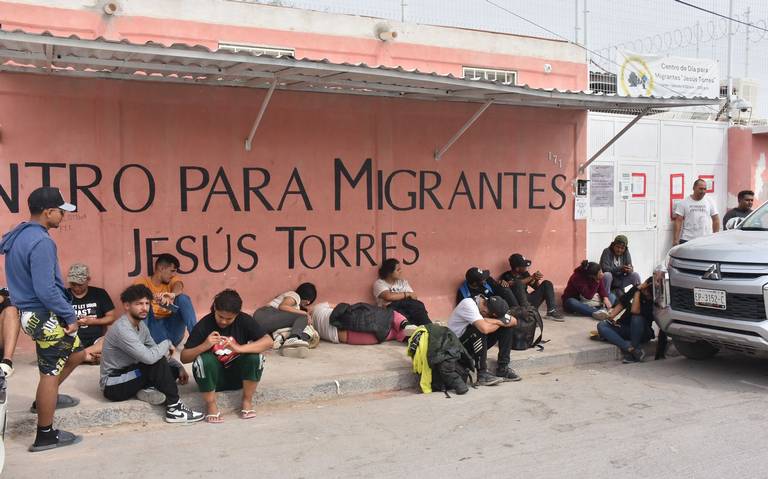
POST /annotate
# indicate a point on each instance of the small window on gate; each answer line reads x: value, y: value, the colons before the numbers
x: 505, y: 77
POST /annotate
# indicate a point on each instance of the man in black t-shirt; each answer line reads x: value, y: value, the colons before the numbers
x: 94, y: 309
x: 635, y: 326
x: 226, y: 347
x: 519, y: 279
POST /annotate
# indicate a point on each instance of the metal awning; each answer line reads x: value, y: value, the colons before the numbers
x: 198, y: 65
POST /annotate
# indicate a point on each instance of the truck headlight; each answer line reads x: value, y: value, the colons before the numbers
x: 661, y: 286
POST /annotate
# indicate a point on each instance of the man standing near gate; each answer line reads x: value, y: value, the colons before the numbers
x: 37, y: 289
x: 695, y: 216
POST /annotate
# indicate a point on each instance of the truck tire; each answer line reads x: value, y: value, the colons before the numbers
x: 695, y: 350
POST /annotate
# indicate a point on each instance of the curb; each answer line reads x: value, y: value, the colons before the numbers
x: 137, y: 412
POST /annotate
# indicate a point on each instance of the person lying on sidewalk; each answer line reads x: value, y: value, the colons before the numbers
x: 518, y: 279
x: 478, y: 282
x: 393, y: 291
x: 289, y: 310
x: 10, y: 326
x: 616, y: 263
x: 585, y: 293
x: 172, y: 312
x: 226, y: 347
x: 133, y: 365
x: 479, y: 323
x: 94, y: 309
x: 359, y: 324
x: 635, y: 326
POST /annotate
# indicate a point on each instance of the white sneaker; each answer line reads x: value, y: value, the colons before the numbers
x: 151, y: 396
x: 601, y: 314
x: 278, y: 341
x: 7, y: 370
x: 180, y: 414
x: 295, y: 348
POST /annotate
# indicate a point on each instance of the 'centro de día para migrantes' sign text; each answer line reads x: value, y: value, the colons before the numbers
x: 356, y: 186
x: 662, y: 76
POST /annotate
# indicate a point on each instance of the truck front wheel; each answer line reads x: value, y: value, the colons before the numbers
x: 695, y: 350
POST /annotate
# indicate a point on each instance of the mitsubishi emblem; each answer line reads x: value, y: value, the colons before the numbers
x: 713, y: 273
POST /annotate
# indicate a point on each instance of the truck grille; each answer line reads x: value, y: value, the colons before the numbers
x: 743, y: 307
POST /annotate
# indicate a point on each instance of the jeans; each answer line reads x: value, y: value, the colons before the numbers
x: 626, y: 334
x: 477, y: 344
x: 573, y: 305
x: 161, y: 376
x: 544, y: 293
x: 172, y: 327
x: 620, y: 281
x: 271, y: 319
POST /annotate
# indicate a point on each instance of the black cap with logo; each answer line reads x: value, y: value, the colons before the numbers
x: 47, y: 197
x: 517, y: 260
x: 477, y: 275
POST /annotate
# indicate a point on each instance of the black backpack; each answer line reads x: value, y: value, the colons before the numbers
x: 524, y: 334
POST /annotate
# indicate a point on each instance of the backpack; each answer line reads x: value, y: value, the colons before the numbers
x: 524, y: 334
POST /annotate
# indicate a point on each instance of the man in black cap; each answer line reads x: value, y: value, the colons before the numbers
x: 478, y: 282
x: 37, y: 288
x: 479, y: 323
x: 519, y: 279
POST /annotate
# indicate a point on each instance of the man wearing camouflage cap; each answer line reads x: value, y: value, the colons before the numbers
x: 616, y: 263
x: 94, y: 308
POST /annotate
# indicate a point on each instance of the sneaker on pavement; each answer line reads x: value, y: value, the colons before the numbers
x: 180, y: 414
x: 278, y: 341
x: 7, y: 369
x: 151, y: 395
x: 484, y: 378
x: 638, y: 354
x: 508, y: 375
x: 601, y: 314
x: 295, y: 348
x: 555, y: 315
x: 61, y: 439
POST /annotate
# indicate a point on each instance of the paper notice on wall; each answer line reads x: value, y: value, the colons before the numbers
x: 581, y: 209
x: 625, y: 186
x: 601, y: 186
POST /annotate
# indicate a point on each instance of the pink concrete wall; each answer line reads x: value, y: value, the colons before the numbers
x: 747, y: 158
x: 107, y: 125
x: 84, y: 24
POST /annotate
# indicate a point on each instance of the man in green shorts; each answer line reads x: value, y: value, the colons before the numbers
x: 226, y: 347
x: 37, y: 288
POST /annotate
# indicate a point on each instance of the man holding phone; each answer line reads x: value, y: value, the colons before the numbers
x: 543, y: 290
x: 37, y: 288
x: 94, y: 308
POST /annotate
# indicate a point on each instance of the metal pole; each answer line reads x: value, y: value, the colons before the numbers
x: 439, y: 153
x: 403, y: 5
x: 746, y: 61
x: 585, y: 29
x: 576, y: 21
x: 613, y: 140
x: 262, y: 110
x: 696, y: 34
x: 730, y: 51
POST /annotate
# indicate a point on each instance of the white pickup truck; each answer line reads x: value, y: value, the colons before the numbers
x: 712, y: 292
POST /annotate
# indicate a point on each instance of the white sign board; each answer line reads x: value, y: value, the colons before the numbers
x: 661, y: 76
x: 580, y: 208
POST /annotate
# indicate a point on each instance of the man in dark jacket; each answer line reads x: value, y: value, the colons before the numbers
x: 37, y: 288
x: 478, y: 282
x: 616, y: 263
x: 519, y: 279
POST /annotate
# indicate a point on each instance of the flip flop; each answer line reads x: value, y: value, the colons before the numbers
x: 65, y: 438
x: 247, y: 414
x: 63, y: 401
x: 214, y: 418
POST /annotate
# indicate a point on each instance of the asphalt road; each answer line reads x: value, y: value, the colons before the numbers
x: 673, y: 418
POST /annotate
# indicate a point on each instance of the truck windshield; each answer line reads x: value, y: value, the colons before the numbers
x: 757, y: 221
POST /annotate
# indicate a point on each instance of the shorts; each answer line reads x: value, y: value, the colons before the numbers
x: 53, y: 345
x: 211, y: 375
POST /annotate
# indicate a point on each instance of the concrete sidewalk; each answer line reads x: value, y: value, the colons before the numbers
x: 330, y: 371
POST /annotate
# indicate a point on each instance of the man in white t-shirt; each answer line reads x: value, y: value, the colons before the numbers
x: 480, y: 323
x: 695, y: 216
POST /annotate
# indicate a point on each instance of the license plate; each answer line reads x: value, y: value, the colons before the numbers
x: 709, y: 298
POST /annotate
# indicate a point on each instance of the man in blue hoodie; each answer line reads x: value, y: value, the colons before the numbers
x: 37, y: 289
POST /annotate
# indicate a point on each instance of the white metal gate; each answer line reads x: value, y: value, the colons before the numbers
x: 656, y: 158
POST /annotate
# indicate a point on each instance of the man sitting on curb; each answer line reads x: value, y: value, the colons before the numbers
x: 479, y: 323
x: 94, y: 309
x: 519, y: 279
x: 635, y: 327
x: 226, y: 347
x: 172, y: 311
x: 132, y: 365
x: 616, y: 263
x: 478, y: 282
